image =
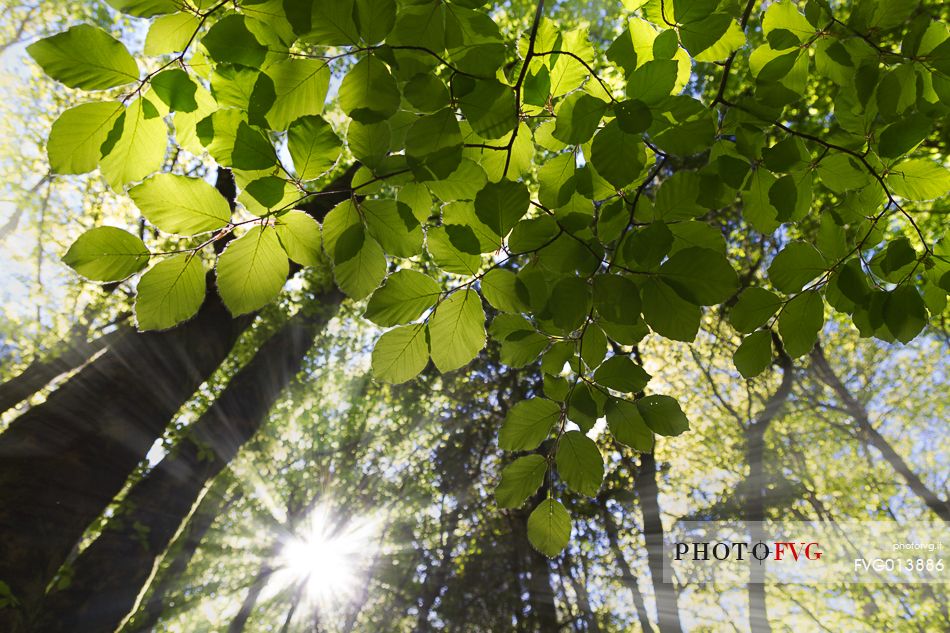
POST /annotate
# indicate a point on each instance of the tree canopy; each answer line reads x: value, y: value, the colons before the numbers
x: 573, y: 198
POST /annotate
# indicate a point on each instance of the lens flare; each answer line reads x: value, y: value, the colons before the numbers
x: 328, y: 556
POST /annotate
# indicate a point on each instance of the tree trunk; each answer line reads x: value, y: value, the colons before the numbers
x: 871, y: 436
x: 213, y: 503
x: 540, y: 591
x: 628, y: 578
x: 109, y: 575
x: 40, y: 373
x: 667, y: 607
x: 755, y: 487
x: 62, y: 462
x: 580, y: 591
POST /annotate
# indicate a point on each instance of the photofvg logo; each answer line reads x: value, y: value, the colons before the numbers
x: 800, y: 552
x: 743, y: 550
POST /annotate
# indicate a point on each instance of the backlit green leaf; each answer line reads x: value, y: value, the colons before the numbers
x: 579, y: 463
x: 181, y: 205
x: 252, y: 270
x: 457, y: 330
x: 106, y: 254
x: 520, y: 480
x: 170, y: 292
x: 85, y: 57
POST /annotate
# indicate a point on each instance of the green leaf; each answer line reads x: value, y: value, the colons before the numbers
x: 919, y: 179
x: 403, y: 298
x: 700, y: 275
x: 549, y: 528
x: 332, y: 23
x: 171, y: 33
x: 528, y: 423
x: 499, y: 289
x: 170, y: 292
x: 621, y: 374
x: 593, y: 346
x: 578, y: 117
x: 176, y: 90
x: 300, y: 88
x: 229, y: 41
x: 313, y: 146
x: 905, y: 313
x: 754, y: 308
x: 754, y: 354
x: 667, y: 313
x: 488, y: 105
x: 394, y: 226
x: 570, y: 303
x: 633, y: 116
x: 369, y: 143
x: 519, y: 347
x: 447, y: 256
x: 617, y: 299
x: 359, y: 263
x: 649, y: 245
x: 267, y: 192
x: 800, y: 323
x: 796, y: 265
x: 663, y: 415
x: 434, y: 145
x: 252, y: 150
x: 520, y: 480
x: 427, y: 93
x: 904, y: 135
x: 252, y: 270
x: 500, y: 205
x: 462, y: 184
x: 700, y: 35
x: 579, y: 463
x: 369, y: 93
x: 582, y: 409
x: 653, y: 81
x: 139, y: 147
x: 77, y: 135
x: 401, y: 353
x: 85, y: 57
x: 181, y: 205
x: 106, y: 253
x: 628, y: 426
x: 299, y: 234
x: 375, y: 19
x: 617, y: 156
x: 457, y: 330
x: 145, y: 8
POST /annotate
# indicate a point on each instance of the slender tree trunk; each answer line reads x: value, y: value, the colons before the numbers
x: 437, y: 574
x: 298, y: 594
x: 871, y: 436
x: 213, y: 503
x: 755, y: 488
x: 754, y: 512
x: 40, y: 373
x: 540, y: 591
x: 109, y: 575
x: 580, y: 591
x: 667, y: 607
x: 62, y: 462
x: 628, y: 578
x: 253, y: 593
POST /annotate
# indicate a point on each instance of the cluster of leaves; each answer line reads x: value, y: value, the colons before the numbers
x: 572, y: 187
